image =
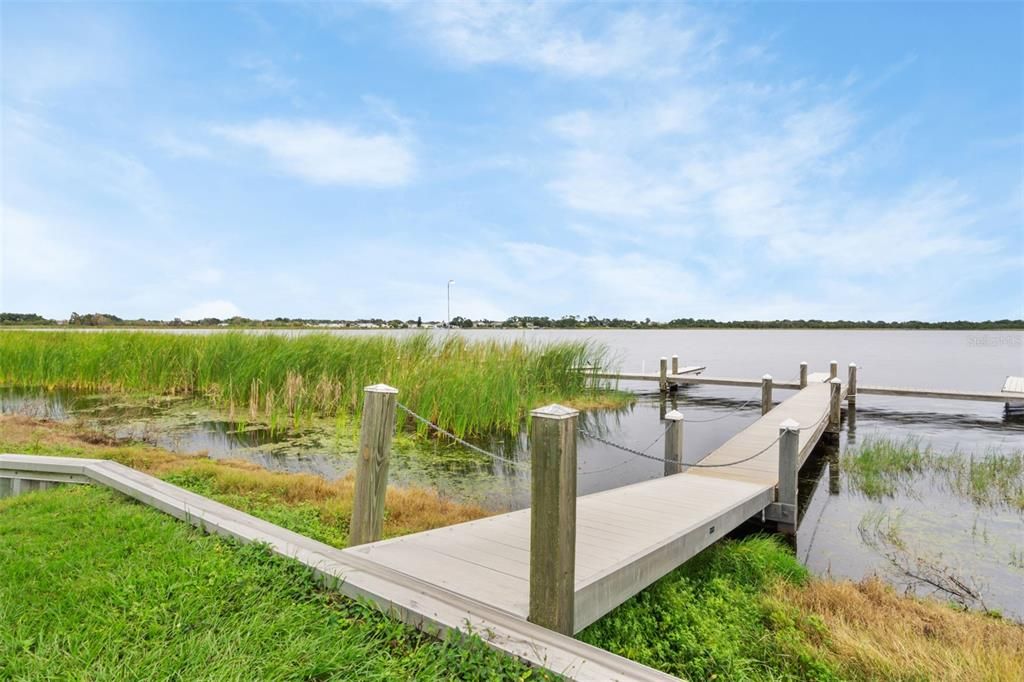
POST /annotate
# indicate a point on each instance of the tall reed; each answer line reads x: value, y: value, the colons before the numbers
x: 467, y: 386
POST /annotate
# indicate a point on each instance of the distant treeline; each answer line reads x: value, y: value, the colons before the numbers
x: 514, y: 322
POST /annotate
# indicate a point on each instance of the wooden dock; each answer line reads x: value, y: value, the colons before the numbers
x: 626, y: 538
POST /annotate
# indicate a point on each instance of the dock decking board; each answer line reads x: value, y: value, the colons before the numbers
x: 627, y: 537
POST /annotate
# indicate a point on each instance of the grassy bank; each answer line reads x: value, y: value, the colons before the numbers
x: 469, y: 387
x: 742, y: 610
x: 93, y: 586
x: 304, y: 503
x: 747, y: 610
x: 880, y: 466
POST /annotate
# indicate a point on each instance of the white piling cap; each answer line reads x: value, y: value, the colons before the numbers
x: 380, y: 388
x: 853, y: 364
x: 674, y: 416
x: 554, y: 411
x: 790, y: 425
x: 837, y: 380
x: 766, y: 377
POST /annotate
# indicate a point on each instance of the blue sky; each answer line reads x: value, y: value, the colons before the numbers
x: 721, y: 160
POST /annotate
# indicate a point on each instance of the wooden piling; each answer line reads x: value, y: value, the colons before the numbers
x: 376, y: 430
x: 675, y: 364
x: 766, y: 394
x: 803, y: 375
x: 836, y: 388
x: 789, y: 468
x: 663, y: 375
x: 833, y: 369
x: 851, y: 383
x: 553, y: 517
x: 674, y: 443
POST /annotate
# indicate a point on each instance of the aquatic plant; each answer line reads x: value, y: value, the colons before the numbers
x: 467, y: 386
x: 880, y: 466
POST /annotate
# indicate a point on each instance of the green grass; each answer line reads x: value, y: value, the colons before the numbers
x: 93, y: 586
x: 715, y: 618
x: 880, y: 466
x: 469, y: 387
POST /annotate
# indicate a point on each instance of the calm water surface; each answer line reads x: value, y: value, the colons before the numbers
x: 984, y: 544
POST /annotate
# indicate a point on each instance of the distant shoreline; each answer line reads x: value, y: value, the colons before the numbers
x: 650, y: 328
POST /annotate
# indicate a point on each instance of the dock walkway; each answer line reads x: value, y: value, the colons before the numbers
x: 626, y: 538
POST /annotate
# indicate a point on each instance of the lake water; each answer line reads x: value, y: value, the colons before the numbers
x: 985, y: 545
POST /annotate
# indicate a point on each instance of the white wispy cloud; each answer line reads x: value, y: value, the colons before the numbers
x: 38, y: 250
x: 266, y: 72
x: 326, y: 154
x: 178, y: 147
x: 220, y: 309
x: 561, y: 38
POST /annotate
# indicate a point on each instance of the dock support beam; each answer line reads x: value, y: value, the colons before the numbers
x: 836, y: 388
x: 674, y: 443
x: 375, y: 432
x: 553, y: 517
x: 851, y: 384
x: 675, y: 364
x: 833, y: 369
x: 803, y: 375
x: 784, y: 511
x: 766, y: 394
x: 663, y: 375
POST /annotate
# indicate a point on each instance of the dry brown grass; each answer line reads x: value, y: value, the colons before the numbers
x: 876, y: 634
x: 409, y: 509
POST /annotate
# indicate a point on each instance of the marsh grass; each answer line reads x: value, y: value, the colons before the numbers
x: 467, y: 386
x: 304, y: 503
x: 747, y: 610
x: 94, y: 586
x: 882, y: 466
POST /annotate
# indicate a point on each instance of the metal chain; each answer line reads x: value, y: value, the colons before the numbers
x: 460, y: 441
x: 644, y: 454
x: 597, y: 471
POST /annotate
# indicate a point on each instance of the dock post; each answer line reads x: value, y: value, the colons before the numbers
x: 766, y: 394
x: 675, y: 364
x: 851, y: 384
x: 836, y: 388
x: 553, y: 518
x: 833, y: 369
x: 674, y: 443
x: 803, y: 375
x: 375, y: 432
x: 663, y: 375
x: 789, y: 467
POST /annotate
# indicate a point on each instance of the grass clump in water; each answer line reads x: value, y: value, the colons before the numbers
x: 469, y: 387
x: 880, y: 466
x: 94, y: 586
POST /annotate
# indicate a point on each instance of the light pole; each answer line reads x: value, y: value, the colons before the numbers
x: 448, y: 322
